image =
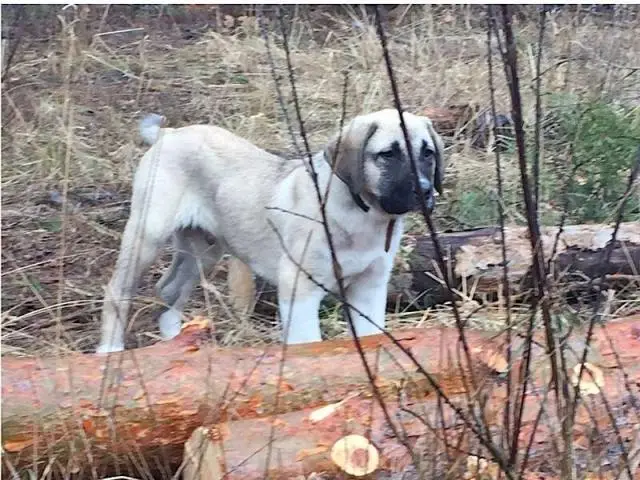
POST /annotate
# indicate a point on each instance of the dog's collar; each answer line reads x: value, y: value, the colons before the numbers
x: 387, y: 238
x: 365, y: 208
x: 358, y: 199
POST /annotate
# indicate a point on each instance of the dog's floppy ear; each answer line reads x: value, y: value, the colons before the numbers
x: 438, y: 176
x: 346, y: 154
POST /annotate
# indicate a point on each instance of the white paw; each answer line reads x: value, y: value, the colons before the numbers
x: 300, y: 322
x: 297, y: 335
x: 105, y: 348
x: 170, y: 324
x: 368, y: 332
x: 364, y: 327
x: 300, y: 340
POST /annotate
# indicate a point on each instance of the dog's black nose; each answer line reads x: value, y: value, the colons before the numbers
x: 425, y: 185
x: 427, y: 190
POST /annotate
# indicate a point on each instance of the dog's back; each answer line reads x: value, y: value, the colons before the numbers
x: 229, y: 149
x: 215, y: 180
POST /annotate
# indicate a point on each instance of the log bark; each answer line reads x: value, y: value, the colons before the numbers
x: 474, y: 260
x: 93, y: 414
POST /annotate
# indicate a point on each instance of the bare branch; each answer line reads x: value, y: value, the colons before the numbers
x: 485, y: 437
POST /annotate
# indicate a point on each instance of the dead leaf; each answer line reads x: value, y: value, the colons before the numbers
x: 277, y: 422
x: 498, y: 363
x: 198, y: 322
x: 228, y: 21
x: 286, y: 387
x: 480, y: 469
x: 599, y: 476
x: 592, y: 379
x: 310, y: 452
x: 14, y: 446
x: 88, y: 425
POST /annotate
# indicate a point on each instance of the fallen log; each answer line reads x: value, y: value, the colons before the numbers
x: 474, y: 261
x: 92, y: 414
x: 451, y: 119
x: 475, y: 257
x: 95, y: 410
x: 293, y: 445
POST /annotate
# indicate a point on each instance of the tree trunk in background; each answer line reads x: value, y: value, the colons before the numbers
x: 95, y: 415
x: 474, y: 262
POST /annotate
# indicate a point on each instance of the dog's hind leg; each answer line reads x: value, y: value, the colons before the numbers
x: 242, y: 287
x: 193, y: 259
x: 143, y: 237
x: 170, y: 273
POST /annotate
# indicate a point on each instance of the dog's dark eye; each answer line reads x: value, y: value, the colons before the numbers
x: 387, y: 155
x: 427, y: 154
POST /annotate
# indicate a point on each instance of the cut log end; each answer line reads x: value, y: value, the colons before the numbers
x: 204, y: 455
x: 355, y: 455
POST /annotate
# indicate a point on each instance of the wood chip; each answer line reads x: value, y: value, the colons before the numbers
x: 328, y: 410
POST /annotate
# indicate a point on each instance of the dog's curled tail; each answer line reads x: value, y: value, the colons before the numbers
x: 150, y: 127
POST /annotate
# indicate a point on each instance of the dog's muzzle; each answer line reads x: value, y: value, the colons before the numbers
x: 405, y: 198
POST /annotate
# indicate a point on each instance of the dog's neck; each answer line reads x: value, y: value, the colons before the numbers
x: 357, y: 199
x: 323, y: 168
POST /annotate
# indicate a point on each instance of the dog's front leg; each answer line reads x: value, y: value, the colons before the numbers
x: 299, y: 304
x: 367, y: 297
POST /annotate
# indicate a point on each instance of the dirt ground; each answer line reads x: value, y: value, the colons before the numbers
x: 78, y: 84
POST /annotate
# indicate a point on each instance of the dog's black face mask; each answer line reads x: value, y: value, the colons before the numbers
x: 397, y: 190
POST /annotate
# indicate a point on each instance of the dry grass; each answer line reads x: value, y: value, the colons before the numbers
x: 107, y: 81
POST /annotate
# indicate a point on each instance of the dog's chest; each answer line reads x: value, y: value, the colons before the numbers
x: 363, y: 249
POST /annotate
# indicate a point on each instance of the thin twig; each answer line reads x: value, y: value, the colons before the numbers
x: 534, y: 429
x: 67, y: 120
x: 286, y: 328
x: 538, y: 119
x: 421, y: 196
x: 276, y: 79
x: 506, y: 286
x: 538, y: 267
